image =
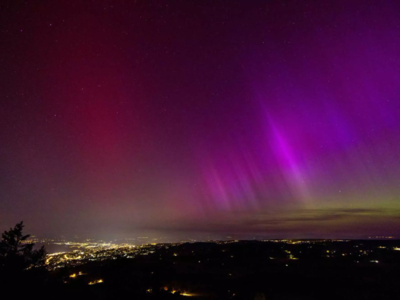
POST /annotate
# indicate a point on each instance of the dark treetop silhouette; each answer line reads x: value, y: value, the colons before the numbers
x: 16, y: 254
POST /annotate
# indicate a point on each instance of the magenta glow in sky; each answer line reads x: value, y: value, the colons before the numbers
x: 201, y: 118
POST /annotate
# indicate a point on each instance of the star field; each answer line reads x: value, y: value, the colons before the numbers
x: 200, y: 118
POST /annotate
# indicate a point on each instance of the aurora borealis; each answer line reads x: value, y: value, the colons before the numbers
x: 201, y: 118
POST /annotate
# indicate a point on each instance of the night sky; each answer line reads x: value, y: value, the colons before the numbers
x: 200, y: 119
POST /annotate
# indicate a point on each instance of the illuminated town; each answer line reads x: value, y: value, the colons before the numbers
x: 92, y: 251
x: 240, y: 267
x: 228, y: 260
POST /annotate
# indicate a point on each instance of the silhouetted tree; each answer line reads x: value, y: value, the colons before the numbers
x: 16, y: 254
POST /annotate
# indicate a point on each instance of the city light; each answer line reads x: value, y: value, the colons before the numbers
x: 96, y: 282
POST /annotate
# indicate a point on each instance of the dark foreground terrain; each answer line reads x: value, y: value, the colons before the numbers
x: 230, y: 270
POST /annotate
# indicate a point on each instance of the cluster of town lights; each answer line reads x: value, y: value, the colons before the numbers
x: 96, y: 282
